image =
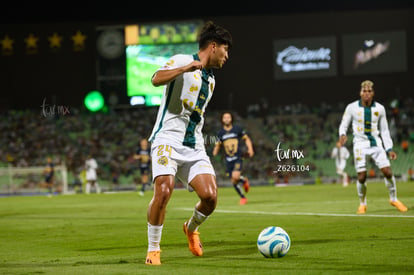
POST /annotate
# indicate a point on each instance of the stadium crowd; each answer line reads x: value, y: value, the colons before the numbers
x: 28, y: 137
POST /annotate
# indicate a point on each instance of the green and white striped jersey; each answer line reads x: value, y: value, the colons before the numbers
x: 369, y: 125
x: 180, y: 116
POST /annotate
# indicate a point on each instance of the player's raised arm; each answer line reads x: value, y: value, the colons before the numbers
x: 162, y: 77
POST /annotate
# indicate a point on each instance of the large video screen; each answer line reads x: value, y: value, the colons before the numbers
x: 141, y: 63
x: 368, y: 53
x: 305, y: 57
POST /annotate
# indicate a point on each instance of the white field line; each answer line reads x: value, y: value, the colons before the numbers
x: 300, y: 213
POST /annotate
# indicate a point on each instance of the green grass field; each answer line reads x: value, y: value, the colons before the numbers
x: 106, y: 233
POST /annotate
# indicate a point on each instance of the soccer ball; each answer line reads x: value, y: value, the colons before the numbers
x: 273, y: 242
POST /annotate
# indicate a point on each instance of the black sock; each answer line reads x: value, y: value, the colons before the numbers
x: 238, y: 190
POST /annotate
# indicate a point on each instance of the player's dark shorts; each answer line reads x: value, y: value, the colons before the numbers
x: 145, y: 170
x: 235, y: 165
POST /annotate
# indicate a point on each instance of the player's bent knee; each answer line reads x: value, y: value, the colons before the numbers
x: 210, y: 198
x: 235, y: 180
x: 208, y: 205
x: 386, y: 171
x: 208, y: 195
x: 362, y: 179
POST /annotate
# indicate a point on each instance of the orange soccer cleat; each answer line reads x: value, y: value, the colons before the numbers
x: 243, y: 201
x: 194, y: 243
x: 153, y: 258
x: 399, y: 205
x: 362, y: 209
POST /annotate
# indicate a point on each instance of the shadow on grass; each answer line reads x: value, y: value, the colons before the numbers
x: 58, y: 263
x: 365, y: 239
x: 143, y: 247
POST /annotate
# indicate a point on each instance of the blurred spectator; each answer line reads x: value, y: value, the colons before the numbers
x: 410, y: 174
x: 49, y: 174
x: 341, y: 154
x: 91, y: 167
x: 404, y: 145
x: 371, y: 173
x: 27, y: 138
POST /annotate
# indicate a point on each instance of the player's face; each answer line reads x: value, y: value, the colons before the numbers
x: 220, y: 54
x: 367, y: 93
x: 226, y: 119
x: 144, y: 144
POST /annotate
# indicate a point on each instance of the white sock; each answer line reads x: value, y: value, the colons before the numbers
x: 362, y: 192
x: 196, y: 220
x: 344, y: 178
x: 88, y: 188
x: 392, y: 188
x: 98, y: 188
x: 154, y: 237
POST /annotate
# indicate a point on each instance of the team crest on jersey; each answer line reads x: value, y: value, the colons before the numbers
x: 193, y: 88
x: 187, y: 104
x: 211, y: 86
x: 376, y: 113
x: 163, y: 160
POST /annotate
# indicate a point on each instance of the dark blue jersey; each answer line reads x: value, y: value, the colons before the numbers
x: 49, y: 170
x: 231, y: 141
x: 145, y: 158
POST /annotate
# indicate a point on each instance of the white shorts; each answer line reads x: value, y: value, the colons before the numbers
x: 378, y: 154
x: 339, y: 170
x: 340, y: 165
x: 181, y: 161
x: 91, y: 175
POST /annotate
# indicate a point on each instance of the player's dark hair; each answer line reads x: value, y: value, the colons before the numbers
x: 226, y: 112
x: 211, y: 32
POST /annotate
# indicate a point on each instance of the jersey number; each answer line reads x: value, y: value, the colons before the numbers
x: 162, y: 148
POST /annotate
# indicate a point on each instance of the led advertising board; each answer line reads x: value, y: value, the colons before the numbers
x: 305, y: 57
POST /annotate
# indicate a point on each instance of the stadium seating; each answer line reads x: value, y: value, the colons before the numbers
x: 27, y: 138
